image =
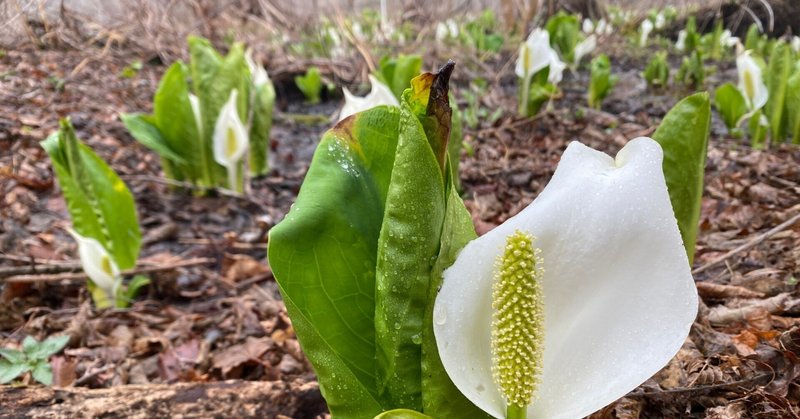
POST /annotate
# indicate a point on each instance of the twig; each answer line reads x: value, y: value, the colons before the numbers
x: 74, y: 276
x: 756, y: 240
x: 40, y: 269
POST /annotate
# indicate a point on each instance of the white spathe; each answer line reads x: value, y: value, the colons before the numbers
x: 230, y: 139
x: 258, y: 74
x: 97, y: 264
x: 588, y: 26
x: 795, y: 43
x: 618, y: 291
x: 680, y: 44
x: 535, y: 54
x: 751, y: 83
x: 379, y: 95
x: 583, y: 48
x: 647, y: 27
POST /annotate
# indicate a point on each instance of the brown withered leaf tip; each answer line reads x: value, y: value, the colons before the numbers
x: 441, y: 88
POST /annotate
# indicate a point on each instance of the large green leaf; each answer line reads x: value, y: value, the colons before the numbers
x: 409, y: 240
x: 778, y: 71
x: 260, y: 127
x: 143, y: 129
x: 398, y: 72
x: 100, y: 204
x: 323, y: 255
x: 683, y: 134
x: 730, y: 104
x: 9, y: 371
x: 359, y: 256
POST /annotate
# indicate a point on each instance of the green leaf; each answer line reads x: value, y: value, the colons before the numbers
x: 43, y: 373
x: 793, y: 104
x: 261, y: 125
x: 758, y: 127
x: 778, y: 72
x: 143, y: 129
x: 323, y: 255
x: 730, y: 104
x: 657, y: 71
x: 409, y: 239
x: 176, y: 122
x: 683, y: 134
x: 100, y: 204
x: 565, y: 33
x: 402, y: 414
x: 10, y: 371
x: 13, y: 356
x: 310, y: 84
x: 440, y: 397
x: 601, y: 81
x: 50, y: 346
x: 398, y: 72
x: 132, y: 290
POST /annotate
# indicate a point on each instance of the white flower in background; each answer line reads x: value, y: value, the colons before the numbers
x: 795, y: 43
x: 446, y: 29
x: 660, y: 21
x: 727, y: 40
x: 593, y: 282
x: 604, y: 28
x: 646, y: 28
x: 380, y: 94
x: 751, y: 83
x: 258, y: 73
x: 583, y: 48
x: 680, y: 44
x: 588, y: 26
x: 194, y: 101
x: 535, y: 54
x: 97, y: 264
x: 358, y: 32
x: 230, y: 139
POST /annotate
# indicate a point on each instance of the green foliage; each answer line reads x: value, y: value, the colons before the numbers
x: 34, y: 358
x: 310, y: 84
x: 758, y: 126
x: 183, y: 140
x: 793, y: 104
x: 778, y: 72
x: 398, y: 72
x: 539, y: 92
x: 402, y: 414
x: 692, y: 71
x: 754, y: 40
x: 359, y: 257
x: 475, y: 112
x: 601, y: 80
x: 131, y: 70
x: 99, y: 203
x: 730, y: 104
x: 480, y: 33
x: 565, y: 33
x: 693, y: 39
x: 711, y: 42
x: 683, y: 134
x: 657, y: 71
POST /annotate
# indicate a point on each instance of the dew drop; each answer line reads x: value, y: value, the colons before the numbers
x: 416, y: 339
x: 440, y: 315
x: 397, y: 326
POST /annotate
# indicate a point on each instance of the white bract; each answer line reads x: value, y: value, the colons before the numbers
x: 584, y: 47
x: 644, y: 32
x: 660, y: 21
x: 230, y: 139
x: 618, y: 294
x: 795, y: 43
x: 603, y: 28
x: 680, y: 44
x: 380, y: 94
x: 588, y: 26
x: 727, y: 40
x: 751, y: 83
x: 446, y: 29
x: 258, y: 73
x: 97, y: 264
x: 536, y: 54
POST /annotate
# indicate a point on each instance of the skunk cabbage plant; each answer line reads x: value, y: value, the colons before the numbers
x: 576, y: 300
x: 751, y: 82
x: 230, y: 140
x: 379, y: 95
x: 539, y: 69
x: 644, y: 32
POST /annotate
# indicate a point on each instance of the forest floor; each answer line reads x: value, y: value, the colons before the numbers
x: 213, y: 311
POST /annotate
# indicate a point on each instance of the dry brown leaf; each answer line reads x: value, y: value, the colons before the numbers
x: 721, y: 291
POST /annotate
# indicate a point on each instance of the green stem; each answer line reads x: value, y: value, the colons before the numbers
x: 526, y: 87
x: 516, y: 412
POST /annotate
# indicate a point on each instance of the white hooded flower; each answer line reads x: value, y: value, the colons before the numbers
x: 230, y: 138
x: 795, y: 43
x: 584, y: 47
x: 258, y: 73
x: 535, y: 54
x: 660, y: 21
x: 379, y: 95
x: 727, y: 40
x: 604, y: 28
x: 680, y: 44
x: 97, y: 264
x: 646, y: 28
x: 751, y: 83
x: 588, y: 26
x: 617, y: 292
